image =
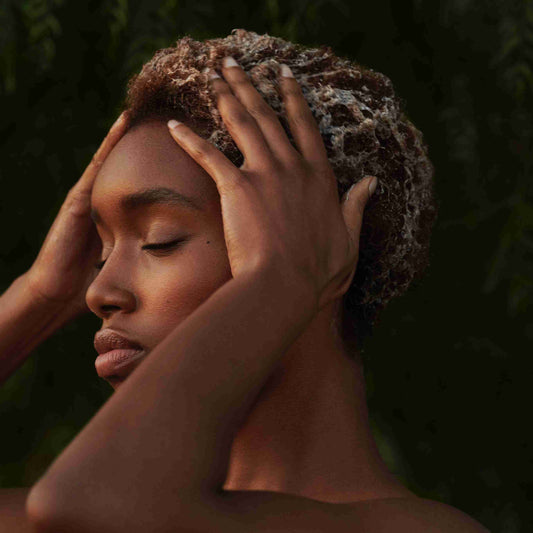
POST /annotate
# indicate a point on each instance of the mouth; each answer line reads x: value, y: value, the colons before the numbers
x: 118, y: 356
x: 118, y: 363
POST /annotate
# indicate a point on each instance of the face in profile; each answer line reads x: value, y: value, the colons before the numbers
x: 164, y: 253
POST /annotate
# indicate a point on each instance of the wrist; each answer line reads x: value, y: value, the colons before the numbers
x: 34, y: 297
x: 286, y: 288
x: 25, y: 322
x: 37, y: 307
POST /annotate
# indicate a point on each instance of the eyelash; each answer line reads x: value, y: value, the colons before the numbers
x: 155, y: 246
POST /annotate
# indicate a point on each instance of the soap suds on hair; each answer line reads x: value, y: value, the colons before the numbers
x: 365, y: 132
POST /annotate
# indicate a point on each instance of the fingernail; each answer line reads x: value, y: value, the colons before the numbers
x: 228, y: 61
x: 286, y: 72
x: 372, y: 186
x: 173, y: 124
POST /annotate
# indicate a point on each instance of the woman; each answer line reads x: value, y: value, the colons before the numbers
x: 236, y: 284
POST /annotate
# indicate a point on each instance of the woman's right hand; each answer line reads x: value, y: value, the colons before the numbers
x: 65, y: 266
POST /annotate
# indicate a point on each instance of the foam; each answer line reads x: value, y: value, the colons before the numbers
x: 365, y: 132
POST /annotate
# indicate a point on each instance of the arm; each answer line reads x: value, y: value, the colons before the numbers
x: 154, y: 458
x: 25, y: 322
x: 52, y: 291
x: 168, y: 431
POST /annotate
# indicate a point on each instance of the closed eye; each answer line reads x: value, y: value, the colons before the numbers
x: 162, y: 245
x: 155, y: 246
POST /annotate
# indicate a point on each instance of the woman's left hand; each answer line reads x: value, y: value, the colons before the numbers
x: 280, y: 209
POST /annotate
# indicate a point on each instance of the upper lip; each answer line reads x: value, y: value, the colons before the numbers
x: 106, y: 340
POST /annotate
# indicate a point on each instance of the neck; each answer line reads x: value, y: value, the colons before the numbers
x: 308, y: 433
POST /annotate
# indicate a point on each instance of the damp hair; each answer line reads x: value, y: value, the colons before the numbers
x: 365, y: 131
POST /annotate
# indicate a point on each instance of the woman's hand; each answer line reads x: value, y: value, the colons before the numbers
x: 280, y: 209
x: 64, y: 268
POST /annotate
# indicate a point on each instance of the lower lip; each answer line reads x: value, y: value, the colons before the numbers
x: 117, y: 362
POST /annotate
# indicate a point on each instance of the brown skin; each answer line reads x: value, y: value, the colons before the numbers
x: 64, y: 267
x: 140, y: 293
x: 52, y: 292
x: 293, y: 400
x: 282, y: 446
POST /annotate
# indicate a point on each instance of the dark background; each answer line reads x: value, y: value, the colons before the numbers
x: 449, y: 377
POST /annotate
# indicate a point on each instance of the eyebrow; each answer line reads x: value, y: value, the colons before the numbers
x: 155, y: 195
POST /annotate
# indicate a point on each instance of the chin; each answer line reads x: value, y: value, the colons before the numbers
x: 115, y: 381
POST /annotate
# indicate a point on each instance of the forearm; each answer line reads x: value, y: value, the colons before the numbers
x: 167, y: 431
x: 25, y: 322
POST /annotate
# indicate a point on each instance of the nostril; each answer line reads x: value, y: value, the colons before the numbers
x: 109, y: 300
x: 107, y: 308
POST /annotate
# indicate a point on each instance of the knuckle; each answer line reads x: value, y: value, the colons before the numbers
x: 197, y: 147
x: 223, y: 94
x: 241, y: 80
x: 300, y: 119
x: 73, y: 195
x: 293, y: 159
x: 97, y: 161
x: 237, y: 117
x: 223, y: 89
x: 272, y: 166
x: 260, y: 112
x: 292, y: 91
x: 198, y: 152
x: 77, y: 202
x: 234, y: 185
x: 322, y: 168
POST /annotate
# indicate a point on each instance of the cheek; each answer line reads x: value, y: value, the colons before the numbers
x: 183, y: 280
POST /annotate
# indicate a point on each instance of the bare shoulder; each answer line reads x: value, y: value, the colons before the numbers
x: 260, y: 511
x: 414, y: 515
x: 13, y: 510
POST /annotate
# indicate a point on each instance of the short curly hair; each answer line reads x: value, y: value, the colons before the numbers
x: 364, y: 129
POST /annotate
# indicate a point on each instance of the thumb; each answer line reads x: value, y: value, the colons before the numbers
x: 354, y: 202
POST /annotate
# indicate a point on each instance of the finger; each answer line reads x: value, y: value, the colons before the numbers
x: 85, y: 183
x: 353, y: 205
x: 256, y: 106
x: 213, y: 161
x: 241, y: 125
x: 301, y: 121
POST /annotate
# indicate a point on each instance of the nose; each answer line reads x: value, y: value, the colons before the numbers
x: 110, y: 291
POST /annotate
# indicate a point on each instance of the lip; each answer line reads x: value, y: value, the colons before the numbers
x: 118, y: 355
x: 118, y: 363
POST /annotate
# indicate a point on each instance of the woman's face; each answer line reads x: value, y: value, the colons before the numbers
x: 143, y: 294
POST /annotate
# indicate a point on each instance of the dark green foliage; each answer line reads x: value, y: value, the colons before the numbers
x: 450, y: 364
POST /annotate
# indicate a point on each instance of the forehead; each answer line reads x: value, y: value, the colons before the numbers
x: 147, y: 156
